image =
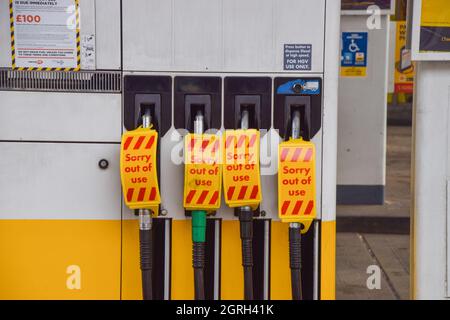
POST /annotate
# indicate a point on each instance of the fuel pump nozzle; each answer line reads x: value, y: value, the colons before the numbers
x: 295, y: 229
x: 140, y: 188
x: 146, y: 235
x: 246, y: 232
x: 199, y: 232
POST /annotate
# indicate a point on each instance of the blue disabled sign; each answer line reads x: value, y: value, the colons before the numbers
x: 354, y: 54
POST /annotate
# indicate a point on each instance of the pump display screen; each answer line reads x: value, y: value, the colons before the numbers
x: 364, y: 4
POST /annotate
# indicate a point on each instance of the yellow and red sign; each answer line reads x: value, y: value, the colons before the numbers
x: 241, y: 178
x: 138, y: 170
x: 404, y: 67
x: 296, y: 182
x: 203, y: 172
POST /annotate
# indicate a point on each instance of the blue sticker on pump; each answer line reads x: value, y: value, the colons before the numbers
x: 311, y: 87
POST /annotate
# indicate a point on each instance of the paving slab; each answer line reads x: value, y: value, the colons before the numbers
x: 353, y: 259
x: 392, y: 253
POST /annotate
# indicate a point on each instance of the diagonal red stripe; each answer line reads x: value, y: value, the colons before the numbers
x: 205, y: 144
x: 254, y: 192
x: 284, y: 154
x: 139, y: 142
x: 214, y: 198
x: 150, y: 142
x: 309, y: 208
x: 285, y: 207
x: 152, y: 194
x: 242, y: 192
x: 230, y: 140
x: 216, y: 146
x: 127, y: 143
x: 297, y: 207
x: 202, y: 197
x: 141, y: 194
x: 130, y: 194
x: 230, y: 193
x: 241, y: 141
x: 192, y: 144
x: 296, y: 155
x: 308, y: 155
x: 190, y: 195
x: 252, y: 141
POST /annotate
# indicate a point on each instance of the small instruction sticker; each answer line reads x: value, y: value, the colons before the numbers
x: 354, y: 54
x: 297, y: 57
x: 88, y: 52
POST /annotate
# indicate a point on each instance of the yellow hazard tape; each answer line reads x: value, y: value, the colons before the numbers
x: 13, y: 44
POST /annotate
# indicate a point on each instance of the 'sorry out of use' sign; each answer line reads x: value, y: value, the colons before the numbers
x: 203, y: 172
x: 296, y: 181
x: 241, y: 178
x: 138, y: 170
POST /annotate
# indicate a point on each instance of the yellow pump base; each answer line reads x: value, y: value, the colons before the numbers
x: 36, y: 266
x: 60, y: 259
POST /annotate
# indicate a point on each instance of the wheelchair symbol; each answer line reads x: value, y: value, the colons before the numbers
x: 353, y: 47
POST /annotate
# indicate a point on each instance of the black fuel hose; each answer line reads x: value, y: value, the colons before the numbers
x: 146, y: 255
x: 198, y: 263
x: 295, y: 258
x: 246, y: 228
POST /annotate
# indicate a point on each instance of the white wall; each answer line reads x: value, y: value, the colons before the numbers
x: 431, y: 181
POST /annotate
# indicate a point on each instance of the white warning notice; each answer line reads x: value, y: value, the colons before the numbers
x: 297, y: 57
x: 45, y: 34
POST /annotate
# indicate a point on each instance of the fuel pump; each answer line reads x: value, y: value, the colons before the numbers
x: 203, y: 173
x: 296, y: 168
x: 140, y: 187
x: 201, y: 191
x: 214, y: 58
x: 247, y: 98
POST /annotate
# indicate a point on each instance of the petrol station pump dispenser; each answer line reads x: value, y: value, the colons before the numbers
x: 167, y: 73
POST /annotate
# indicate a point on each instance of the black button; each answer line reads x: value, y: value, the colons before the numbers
x: 103, y: 164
